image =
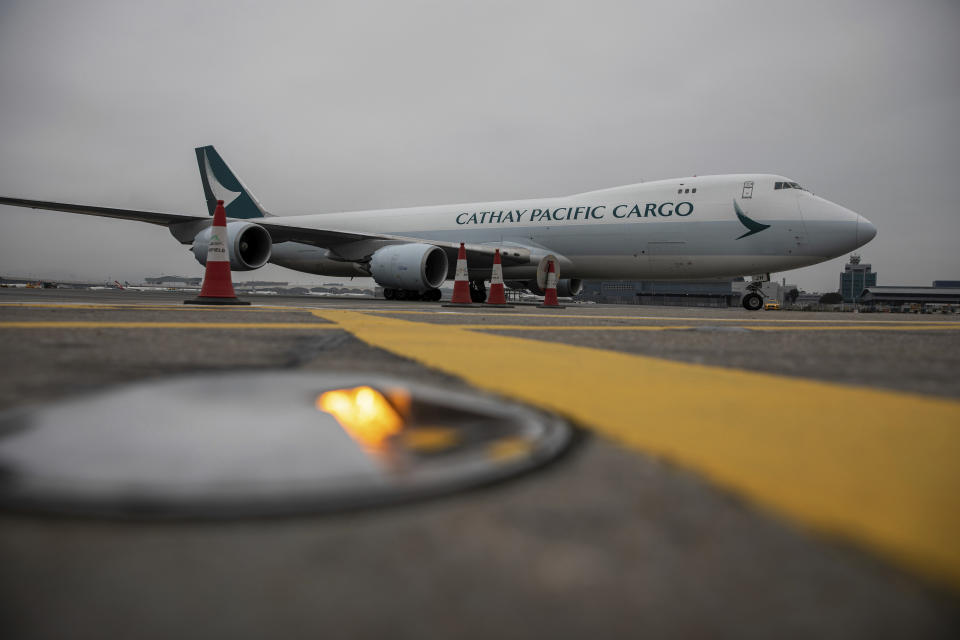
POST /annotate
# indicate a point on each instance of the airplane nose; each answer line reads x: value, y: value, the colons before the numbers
x: 866, y: 231
x: 834, y: 230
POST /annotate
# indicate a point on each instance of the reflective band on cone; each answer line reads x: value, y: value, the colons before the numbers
x: 461, y: 284
x: 496, y: 296
x: 217, y: 286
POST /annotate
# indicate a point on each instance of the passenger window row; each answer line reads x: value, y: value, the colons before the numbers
x: 694, y: 190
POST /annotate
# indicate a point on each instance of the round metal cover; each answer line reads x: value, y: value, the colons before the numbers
x: 260, y: 444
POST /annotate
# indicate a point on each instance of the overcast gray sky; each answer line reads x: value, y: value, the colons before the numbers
x: 356, y: 105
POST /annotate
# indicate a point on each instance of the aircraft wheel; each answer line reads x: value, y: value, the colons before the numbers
x: 752, y: 302
x: 478, y: 291
x: 389, y: 294
x: 433, y: 295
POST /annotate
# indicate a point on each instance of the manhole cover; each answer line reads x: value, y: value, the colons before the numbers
x: 261, y: 444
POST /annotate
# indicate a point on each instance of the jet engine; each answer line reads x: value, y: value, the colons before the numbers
x: 569, y: 287
x: 566, y: 288
x: 412, y: 267
x: 249, y: 245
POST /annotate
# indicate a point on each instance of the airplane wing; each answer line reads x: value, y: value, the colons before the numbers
x: 349, y: 245
x: 124, y: 214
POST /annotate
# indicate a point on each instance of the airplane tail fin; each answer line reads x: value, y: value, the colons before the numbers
x: 220, y: 183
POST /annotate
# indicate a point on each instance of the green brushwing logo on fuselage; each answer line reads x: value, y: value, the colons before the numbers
x: 752, y: 225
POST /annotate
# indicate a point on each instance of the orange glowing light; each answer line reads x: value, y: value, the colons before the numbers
x: 364, y: 413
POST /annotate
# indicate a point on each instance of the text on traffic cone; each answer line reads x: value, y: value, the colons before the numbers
x: 216, y: 278
x: 550, y: 294
x: 496, y: 295
x: 461, y: 283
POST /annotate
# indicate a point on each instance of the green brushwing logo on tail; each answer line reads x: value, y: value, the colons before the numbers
x: 220, y: 183
x: 752, y: 225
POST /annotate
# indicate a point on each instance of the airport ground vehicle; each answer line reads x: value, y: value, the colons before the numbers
x: 771, y: 305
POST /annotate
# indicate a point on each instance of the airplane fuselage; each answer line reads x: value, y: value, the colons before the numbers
x: 685, y: 228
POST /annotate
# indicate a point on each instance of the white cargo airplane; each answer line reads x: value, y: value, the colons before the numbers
x: 706, y: 227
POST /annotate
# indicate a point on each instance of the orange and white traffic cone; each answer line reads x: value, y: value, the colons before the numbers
x: 461, y: 283
x: 496, y: 296
x: 217, y: 286
x: 550, y: 293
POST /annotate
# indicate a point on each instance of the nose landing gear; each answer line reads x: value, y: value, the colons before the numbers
x: 752, y: 301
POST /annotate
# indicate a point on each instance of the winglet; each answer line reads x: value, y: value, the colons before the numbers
x: 220, y: 183
x: 752, y: 225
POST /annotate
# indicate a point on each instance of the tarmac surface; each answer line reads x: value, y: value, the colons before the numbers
x: 707, y: 498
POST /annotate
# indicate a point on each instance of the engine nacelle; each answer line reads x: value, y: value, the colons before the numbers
x: 538, y: 283
x: 249, y: 245
x: 566, y: 288
x: 416, y: 267
x: 569, y: 287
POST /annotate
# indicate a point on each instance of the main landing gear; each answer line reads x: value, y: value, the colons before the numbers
x: 478, y: 291
x: 430, y: 295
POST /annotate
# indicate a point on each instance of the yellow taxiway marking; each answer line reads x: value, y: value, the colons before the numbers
x: 430, y: 439
x: 480, y: 312
x: 507, y: 448
x: 164, y: 325
x: 864, y: 327
x: 878, y: 467
x: 542, y: 327
x: 150, y: 307
x: 665, y: 327
x: 631, y: 318
x: 115, y: 324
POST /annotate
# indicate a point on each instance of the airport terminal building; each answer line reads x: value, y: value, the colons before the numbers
x: 913, y: 297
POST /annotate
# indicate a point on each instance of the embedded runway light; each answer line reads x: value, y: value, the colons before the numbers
x: 364, y: 413
x: 270, y: 443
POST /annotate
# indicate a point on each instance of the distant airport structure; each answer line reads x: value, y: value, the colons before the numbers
x: 174, y: 280
x: 858, y: 285
x: 921, y: 298
x: 855, y: 277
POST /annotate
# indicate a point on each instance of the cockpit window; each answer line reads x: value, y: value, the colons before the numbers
x: 787, y: 185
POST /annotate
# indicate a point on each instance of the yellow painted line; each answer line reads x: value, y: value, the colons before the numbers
x: 877, y: 467
x: 587, y: 327
x: 630, y: 318
x: 866, y: 327
x: 431, y: 439
x: 151, y: 307
x: 507, y: 448
x: 164, y: 325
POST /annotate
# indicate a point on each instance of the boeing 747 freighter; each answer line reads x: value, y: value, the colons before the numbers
x: 704, y: 227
